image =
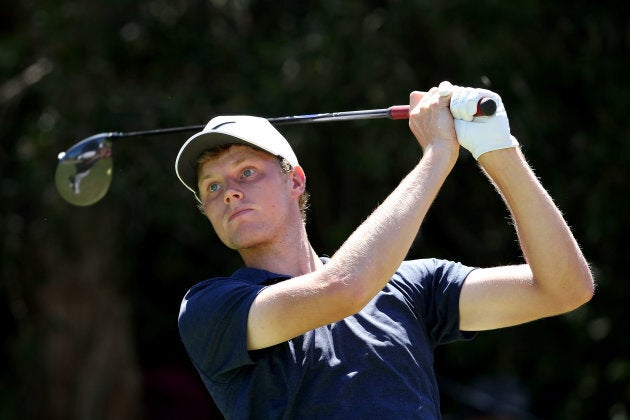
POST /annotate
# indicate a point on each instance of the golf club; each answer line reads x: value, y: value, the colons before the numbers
x: 84, y: 172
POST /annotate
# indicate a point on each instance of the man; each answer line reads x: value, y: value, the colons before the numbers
x: 292, y: 335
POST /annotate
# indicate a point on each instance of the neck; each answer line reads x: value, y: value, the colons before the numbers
x: 293, y: 255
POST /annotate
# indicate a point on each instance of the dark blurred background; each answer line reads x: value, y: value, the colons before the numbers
x: 89, y: 296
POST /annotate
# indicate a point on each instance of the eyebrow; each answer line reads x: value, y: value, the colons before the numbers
x: 203, y: 178
x: 237, y: 162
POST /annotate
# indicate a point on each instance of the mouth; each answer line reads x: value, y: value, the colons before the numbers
x: 238, y: 213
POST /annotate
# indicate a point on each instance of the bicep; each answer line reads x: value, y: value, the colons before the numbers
x: 292, y: 307
x: 501, y: 297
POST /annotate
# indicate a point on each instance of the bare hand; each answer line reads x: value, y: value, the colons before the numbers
x: 431, y: 121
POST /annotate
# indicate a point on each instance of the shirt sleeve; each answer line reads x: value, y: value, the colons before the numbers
x: 213, y: 325
x: 439, y: 284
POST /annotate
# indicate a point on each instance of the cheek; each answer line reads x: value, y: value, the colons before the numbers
x: 219, y: 230
x: 282, y: 207
x: 212, y: 216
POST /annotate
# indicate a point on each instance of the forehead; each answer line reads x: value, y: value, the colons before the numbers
x: 230, y: 155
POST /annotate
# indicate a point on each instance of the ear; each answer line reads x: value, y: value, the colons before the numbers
x: 298, y: 181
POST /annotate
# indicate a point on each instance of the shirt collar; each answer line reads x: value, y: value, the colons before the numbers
x: 258, y: 276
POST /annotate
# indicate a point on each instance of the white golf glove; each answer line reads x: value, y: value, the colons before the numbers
x: 482, y: 134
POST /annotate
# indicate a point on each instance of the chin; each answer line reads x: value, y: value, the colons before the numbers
x: 248, y: 242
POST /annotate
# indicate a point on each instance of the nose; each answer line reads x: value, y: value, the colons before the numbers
x: 232, y: 193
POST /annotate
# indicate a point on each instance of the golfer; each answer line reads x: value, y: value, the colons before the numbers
x: 292, y: 335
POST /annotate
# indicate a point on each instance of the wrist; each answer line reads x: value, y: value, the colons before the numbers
x: 501, y: 159
x: 442, y: 154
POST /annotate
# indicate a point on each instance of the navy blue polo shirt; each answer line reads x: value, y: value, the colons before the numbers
x: 377, y: 363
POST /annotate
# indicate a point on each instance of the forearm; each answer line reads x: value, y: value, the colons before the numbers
x: 548, y: 245
x: 371, y: 255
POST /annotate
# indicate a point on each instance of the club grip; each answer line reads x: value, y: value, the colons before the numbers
x: 485, y: 108
x: 399, y: 112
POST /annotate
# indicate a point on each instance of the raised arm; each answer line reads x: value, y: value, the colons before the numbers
x: 371, y: 255
x: 556, y: 278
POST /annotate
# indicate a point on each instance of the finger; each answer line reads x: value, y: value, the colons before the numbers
x: 445, y: 88
x: 444, y: 100
x: 414, y: 98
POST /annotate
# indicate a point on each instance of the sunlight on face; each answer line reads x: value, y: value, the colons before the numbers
x: 246, y: 196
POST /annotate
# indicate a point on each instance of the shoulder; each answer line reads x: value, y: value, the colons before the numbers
x: 433, y: 270
x: 211, y: 300
x: 210, y: 289
x: 242, y: 280
x: 215, y: 284
x: 217, y: 298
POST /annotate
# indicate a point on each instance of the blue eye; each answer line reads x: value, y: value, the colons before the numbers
x: 248, y: 172
x: 213, y: 187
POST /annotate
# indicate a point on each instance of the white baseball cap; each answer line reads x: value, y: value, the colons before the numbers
x: 238, y: 129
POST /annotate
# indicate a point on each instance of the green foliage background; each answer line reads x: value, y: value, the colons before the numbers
x: 90, y: 296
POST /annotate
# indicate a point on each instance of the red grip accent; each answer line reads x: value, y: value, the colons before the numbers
x: 399, y: 112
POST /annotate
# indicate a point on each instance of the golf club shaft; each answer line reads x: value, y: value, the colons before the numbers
x: 485, y: 107
x: 396, y: 112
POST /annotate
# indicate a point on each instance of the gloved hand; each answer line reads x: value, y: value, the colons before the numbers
x: 482, y: 134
